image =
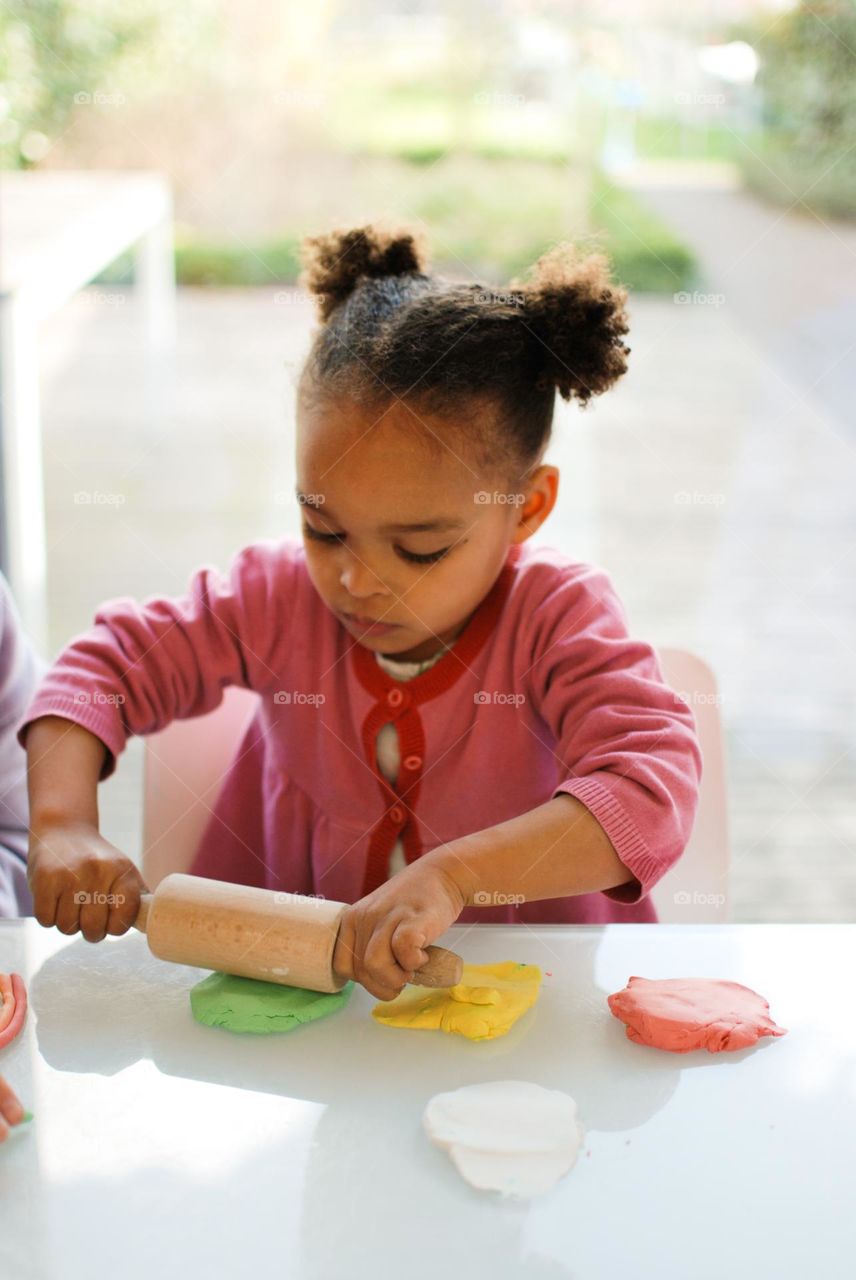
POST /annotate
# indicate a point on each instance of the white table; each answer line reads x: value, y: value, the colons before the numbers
x: 58, y: 230
x: 175, y: 1150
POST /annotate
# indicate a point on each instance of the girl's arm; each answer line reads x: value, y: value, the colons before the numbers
x: 144, y: 664
x: 553, y: 851
x: 618, y: 819
x: 77, y: 879
x: 141, y: 666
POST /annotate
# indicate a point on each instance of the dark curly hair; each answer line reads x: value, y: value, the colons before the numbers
x: 389, y: 330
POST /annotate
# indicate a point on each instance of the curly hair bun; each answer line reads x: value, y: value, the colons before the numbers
x: 579, y: 317
x: 335, y: 263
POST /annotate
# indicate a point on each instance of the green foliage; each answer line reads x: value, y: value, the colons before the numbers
x: 807, y: 81
x: 475, y: 229
x: 645, y: 255
x: 212, y: 263
x: 421, y: 123
x: 660, y: 138
x: 209, y: 263
x: 62, y: 57
x: 53, y: 54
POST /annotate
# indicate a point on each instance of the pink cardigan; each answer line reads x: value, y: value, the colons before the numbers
x: 542, y: 693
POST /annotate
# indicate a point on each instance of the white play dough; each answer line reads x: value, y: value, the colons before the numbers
x: 507, y: 1135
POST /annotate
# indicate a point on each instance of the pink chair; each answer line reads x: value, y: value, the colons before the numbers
x: 184, y: 767
x: 186, y: 763
x: 695, y: 891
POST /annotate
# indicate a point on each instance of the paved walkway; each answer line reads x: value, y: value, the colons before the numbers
x: 716, y: 497
x: 788, y: 278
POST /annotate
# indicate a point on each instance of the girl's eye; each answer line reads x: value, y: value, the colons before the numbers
x: 429, y: 557
x: 318, y: 536
x: 414, y: 557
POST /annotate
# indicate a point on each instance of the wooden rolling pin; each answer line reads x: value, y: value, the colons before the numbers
x: 257, y: 933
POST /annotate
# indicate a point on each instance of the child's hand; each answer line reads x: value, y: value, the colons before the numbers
x: 382, y: 936
x: 11, y: 1111
x: 79, y: 881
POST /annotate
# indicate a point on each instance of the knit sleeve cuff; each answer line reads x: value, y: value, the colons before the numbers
x: 97, y: 719
x: 623, y: 834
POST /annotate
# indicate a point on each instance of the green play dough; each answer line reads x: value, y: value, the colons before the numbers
x: 245, y: 1004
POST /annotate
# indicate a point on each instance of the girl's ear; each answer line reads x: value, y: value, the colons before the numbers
x: 541, y: 492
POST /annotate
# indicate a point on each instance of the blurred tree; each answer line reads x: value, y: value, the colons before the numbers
x: 807, y: 82
x: 58, y: 57
x: 55, y: 55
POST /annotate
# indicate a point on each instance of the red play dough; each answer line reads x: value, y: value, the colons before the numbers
x: 681, y: 1014
x: 13, y: 1011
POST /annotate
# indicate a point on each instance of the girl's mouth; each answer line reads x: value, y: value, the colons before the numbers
x: 367, y: 626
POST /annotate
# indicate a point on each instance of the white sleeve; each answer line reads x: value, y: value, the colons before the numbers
x: 21, y: 669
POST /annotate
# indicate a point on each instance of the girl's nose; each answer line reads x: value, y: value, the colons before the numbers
x: 359, y: 581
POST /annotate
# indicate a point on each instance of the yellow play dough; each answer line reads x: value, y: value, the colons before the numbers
x: 485, y: 1004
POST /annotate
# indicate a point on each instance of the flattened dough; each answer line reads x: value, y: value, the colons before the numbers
x: 13, y: 1007
x: 245, y: 1004
x: 682, y: 1014
x: 485, y: 1004
x: 507, y: 1135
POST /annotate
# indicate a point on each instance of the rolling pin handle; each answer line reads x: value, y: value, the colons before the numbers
x: 146, y: 900
x: 442, y: 969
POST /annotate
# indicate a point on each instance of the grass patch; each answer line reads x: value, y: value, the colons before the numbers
x: 420, y: 124
x: 824, y: 182
x: 646, y: 255
x: 673, y: 139
x: 484, y: 219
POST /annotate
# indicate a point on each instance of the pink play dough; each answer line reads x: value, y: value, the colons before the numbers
x: 681, y: 1014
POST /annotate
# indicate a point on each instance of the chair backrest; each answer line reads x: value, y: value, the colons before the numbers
x: 695, y: 891
x: 185, y: 765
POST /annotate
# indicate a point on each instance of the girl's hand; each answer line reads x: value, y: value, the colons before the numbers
x: 81, y: 882
x: 382, y: 936
x: 11, y: 1111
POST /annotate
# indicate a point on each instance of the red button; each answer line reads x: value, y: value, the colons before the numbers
x: 413, y: 762
x: 395, y: 697
x: 397, y: 813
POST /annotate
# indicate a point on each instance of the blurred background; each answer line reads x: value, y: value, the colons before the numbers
x: 709, y: 149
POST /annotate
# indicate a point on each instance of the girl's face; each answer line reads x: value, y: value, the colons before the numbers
x: 404, y: 541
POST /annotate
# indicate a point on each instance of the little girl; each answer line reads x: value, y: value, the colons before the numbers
x: 452, y: 722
